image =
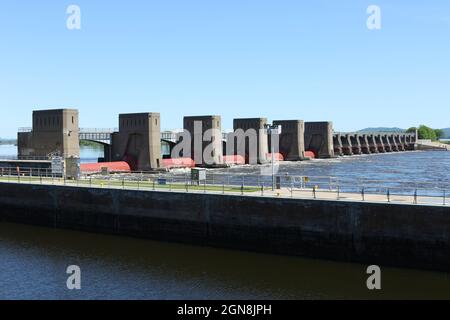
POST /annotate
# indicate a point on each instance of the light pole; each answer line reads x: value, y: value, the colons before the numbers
x: 272, y: 130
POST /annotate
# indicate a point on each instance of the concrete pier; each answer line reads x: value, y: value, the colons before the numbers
x: 291, y: 140
x: 379, y: 143
x: 249, y: 127
x: 392, y: 142
x: 197, y: 126
x: 337, y: 142
x: 138, y: 141
x: 356, y: 145
x: 319, y: 139
x: 347, y: 148
x: 364, y: 143
x: 398, y: 141
x: 403, y: 235
x: 54, y: 132
x: 386, y: 142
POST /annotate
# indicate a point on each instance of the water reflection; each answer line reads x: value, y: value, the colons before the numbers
x: 33, y: 262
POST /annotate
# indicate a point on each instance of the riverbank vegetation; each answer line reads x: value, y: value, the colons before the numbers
x: 91, y: 144
x: 8, y: 141
x: 427, y: 133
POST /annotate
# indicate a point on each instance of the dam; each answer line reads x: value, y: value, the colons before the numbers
x: 139, y: 142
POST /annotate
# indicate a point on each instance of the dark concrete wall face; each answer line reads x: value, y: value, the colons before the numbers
x: 319, y: 138
x: 206, y: 139
x: 54, y: 132
x: 252, y: 126
x: 138, y: 141
x: 291, y: 140
x: 415, y: 236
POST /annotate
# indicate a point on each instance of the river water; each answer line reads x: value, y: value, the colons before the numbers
x: 33, y: 260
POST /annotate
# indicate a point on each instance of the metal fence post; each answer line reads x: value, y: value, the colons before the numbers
x: 292, y: 187
x: 262, y: 189
x: 314, y: 192
x: 363, y: 194
x: 415, y: 196
x: 388, y: 195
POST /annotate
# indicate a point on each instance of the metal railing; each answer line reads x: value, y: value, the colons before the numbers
x: 98, y: 130
x: 25, y: 158
x: 301, y: 187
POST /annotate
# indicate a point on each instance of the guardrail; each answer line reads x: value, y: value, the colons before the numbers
x: 24, y: 158
x: 301, y: 187
x: 98, y: 130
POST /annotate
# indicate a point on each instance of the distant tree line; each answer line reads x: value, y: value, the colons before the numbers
x: 427, y: 133
x: 7, y: 141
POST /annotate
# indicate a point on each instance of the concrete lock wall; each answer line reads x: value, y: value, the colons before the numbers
x: 54, y: 132
x: 138, y: 141
x: 402, y: 235
x: 292, y: 142
x: 319, y: 139
x: 213, y: 124
x: 262, y: 143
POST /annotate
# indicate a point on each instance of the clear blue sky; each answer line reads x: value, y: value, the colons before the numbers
x: 311, y: 60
